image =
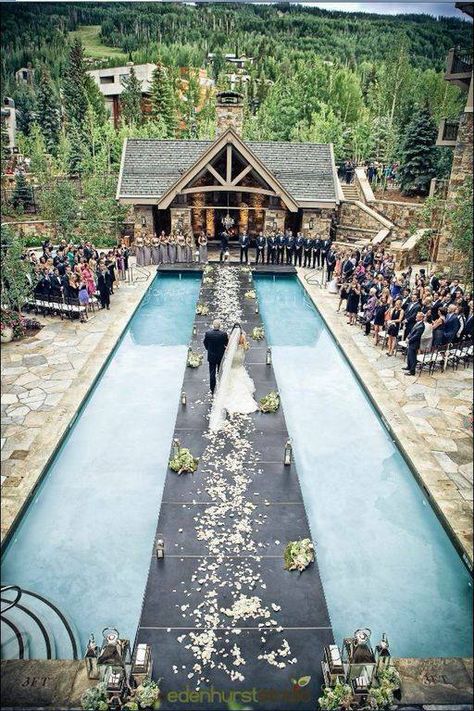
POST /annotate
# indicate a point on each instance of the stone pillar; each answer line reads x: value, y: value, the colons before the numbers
x: 321, y: 222
x: 230, y: 111
x: 143, y: 221
x: 462, y: 168
x: 181, y: 217
x: 272, y: 217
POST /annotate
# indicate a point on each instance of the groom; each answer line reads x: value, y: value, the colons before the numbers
x: 215, y: 343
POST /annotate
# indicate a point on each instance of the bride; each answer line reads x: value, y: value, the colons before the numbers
x: 235, y: 388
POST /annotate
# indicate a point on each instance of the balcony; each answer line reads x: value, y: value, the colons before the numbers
x: 447, y: 133
x: 459, y: 67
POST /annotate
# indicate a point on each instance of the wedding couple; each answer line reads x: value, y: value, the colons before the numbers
x: 235, y: 389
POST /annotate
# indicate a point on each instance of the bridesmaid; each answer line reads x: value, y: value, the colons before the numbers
x: 172, y: 248
x: 155, y: 250
x: 163, y: 248
x: 147, y: 252
x: 139, y: 251
x: 189, y: 248
x: 202, y: 242
x: 181, y: 247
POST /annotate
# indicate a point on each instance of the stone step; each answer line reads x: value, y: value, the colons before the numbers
x: 381, y: 235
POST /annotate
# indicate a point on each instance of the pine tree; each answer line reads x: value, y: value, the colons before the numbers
x: 75, y: 95
x: 130, y: 100
x: 5, y: 147
x: 22, y: 197
x: 96, y: 100
x: 77, y: 154
x: 417, y: 154
x: 162, y: 99
x: 49, y: 119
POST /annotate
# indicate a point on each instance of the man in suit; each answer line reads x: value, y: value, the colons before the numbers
x: 215, y: 343
x: 330, y: 263
x: 434, y: 282
x: 244, y: 242
x: 280, y: 248
x: 290, y: 247
x: 271, y: 248
x: 325, y: 247
x: 224, y: 245
x: 317, y: 251
x: 307, y: 247
x: 299, y: 249
x: 414, y: 340
x: 411, y: 311
x: 260, y: 248
x: 452, y: 324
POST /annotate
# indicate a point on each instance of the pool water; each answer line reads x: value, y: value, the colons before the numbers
x: 386, y: 562
x: 86, y: 539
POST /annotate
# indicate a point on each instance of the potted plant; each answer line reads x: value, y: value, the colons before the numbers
x: 95, y: 698
x: 337, y: 697
x: 194, y: 359
x: 183, y: 462
x: 270, y: 402
x: 258, y: 333
x: 202, y: 310
x: 148, y: 695
x: 298, y: 554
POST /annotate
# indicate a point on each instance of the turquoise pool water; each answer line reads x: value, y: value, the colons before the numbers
x: 385, y: 560
x: 87, y: 544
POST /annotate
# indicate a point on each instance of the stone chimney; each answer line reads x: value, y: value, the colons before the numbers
x: 230, y: 111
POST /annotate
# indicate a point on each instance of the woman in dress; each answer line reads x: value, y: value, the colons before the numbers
x: 163, y: 248
x: 89, y: 280
x: 394, y: 321
x: 172, y: 248
x: 110, y: 264
x: 426, y: 340
x: 139, y: 253
x: 438, y: 327
x: 146, y: 252
x: 343, y: 296
x: 353, y: 298
x: 181, y: 247
x: 379, y: 316
x: 155, y: 250
x: 369, y: 309
x: 202, y: 242
x: 189, y: 248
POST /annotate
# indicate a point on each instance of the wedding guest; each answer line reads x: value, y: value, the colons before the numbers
x: 307, y: 248
x: 394, y: 320
x: 271, y: 248
x: 155, y: 250
x: 202, y: 243
x: 353, y: 298
x: 414, y: 340
x: 260, y: 249
x: 244, y: 242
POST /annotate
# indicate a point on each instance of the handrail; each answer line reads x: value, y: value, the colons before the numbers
x: 17, y: 633
x: 15, y: 601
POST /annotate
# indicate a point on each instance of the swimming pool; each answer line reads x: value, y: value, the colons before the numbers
x: 86, y: 537
x: 385, y: 560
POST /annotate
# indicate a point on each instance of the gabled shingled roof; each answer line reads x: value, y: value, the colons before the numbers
x: 151, y: 166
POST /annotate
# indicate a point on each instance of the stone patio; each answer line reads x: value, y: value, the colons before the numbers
x: 43, y: 382
x: 429, y: 415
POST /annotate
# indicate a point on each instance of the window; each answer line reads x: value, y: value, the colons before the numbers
x: 107, y: 80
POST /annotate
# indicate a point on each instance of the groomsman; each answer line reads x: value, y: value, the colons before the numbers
x: 298, y: 249
x: 260, y: 248
x: 224, y: 245
x: 244, y: 242
x: 317, y: 243
x: 271, y: 248
x: 280, y: 247
x: 330, y: 262
x: 290, y: 247
x: 325, y: 247
x: 307, y: 247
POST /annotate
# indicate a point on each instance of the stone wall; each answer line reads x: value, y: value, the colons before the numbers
x: 404, y: 215
x: 272, y: 216
x: 351, y: 215
x: 143, y: 221
x: 462, y: 168
x: 30, y: 228
x: 321, y: 222
x: 230, y: 116
x: 180, y: 217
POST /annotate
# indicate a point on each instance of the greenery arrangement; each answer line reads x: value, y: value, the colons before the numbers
x: 382, y: 696
x: 207, y: 280
x: 258, y: 333
x: 194, y: 359
x: 95, y: 698
x: 270, y: 402
x: 183, y: 462
x: 298, y: 554
x: 339, y: 697
x: 250, y: 294
x: 202, y: 310
x: 14, y: 320
x: 15, y: 272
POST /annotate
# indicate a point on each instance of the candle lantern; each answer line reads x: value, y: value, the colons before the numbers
x: 90, y: 657
x: 382, y: 653
x: 268, y: 358
x: 256, y: 309
x: 288, y: 453
x: 183, y: 398
x: 160, y: 547
x: 194, y: 330
x: 176, y: 447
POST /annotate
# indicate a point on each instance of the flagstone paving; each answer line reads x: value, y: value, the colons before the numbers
x: 44, y: 379
x: 431, y: 415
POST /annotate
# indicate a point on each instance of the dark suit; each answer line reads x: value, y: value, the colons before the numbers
x: 260, y: 250
x: 298, y: 250
x: 280, y: 247
x: 451, y: 328
x: 215, y: 343
x: 316, y: 252
x: 414, y: 340
x: 290, y: 248
x: 307, y: 247
x: 271, y: 249
x: 410, y: 316
x: 330, y: 263
x: 244, y: 241
x: 224, y: 245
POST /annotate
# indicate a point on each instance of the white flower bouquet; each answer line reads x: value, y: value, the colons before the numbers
x: 258, y: 333
x: 298, y: 554
x: 183, y: 462
x: 250, y: 294
x: 194, y: 359
x: 202, y: 310
x: 270, y: 402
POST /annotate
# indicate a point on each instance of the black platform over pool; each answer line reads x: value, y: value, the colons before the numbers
x: 256, y: 268
x: 262, y: 628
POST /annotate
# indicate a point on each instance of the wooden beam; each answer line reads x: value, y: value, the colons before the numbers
x: 215, y: 174
x: 242, y: 175
x: 229, y: 163
x: 228, y: 187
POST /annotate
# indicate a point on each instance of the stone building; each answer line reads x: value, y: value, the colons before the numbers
x: 253, y: 185
x: 457, y: 134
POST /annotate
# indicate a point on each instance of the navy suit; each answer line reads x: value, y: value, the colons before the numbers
x: 316, y: 252
x: 280, y: 247
x: 224, y: 245
x: 307, y: 247
x: 298, y: 250
x: 215, y: 343
x: 414, y: 340
x: 271, y: 249
x: 451, y: 328
x: 244, y: 242
x: 290, y: 246
x: 260, y: 249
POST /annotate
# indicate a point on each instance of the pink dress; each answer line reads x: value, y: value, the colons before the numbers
x: 89, y: 279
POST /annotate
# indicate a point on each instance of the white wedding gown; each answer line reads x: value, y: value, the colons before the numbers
x: 235, y: 389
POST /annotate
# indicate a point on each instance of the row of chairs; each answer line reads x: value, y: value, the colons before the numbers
x: 63, y: 306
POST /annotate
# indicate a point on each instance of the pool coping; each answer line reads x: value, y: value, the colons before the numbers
x: 394, y: 429
x: 66, y: 428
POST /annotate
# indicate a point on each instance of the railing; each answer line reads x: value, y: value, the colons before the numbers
x: 459, y: 61
x: 450, y: 130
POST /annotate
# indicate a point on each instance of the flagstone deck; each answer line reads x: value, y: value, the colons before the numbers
x: 43, y: 382
x: 201, y: 576
x: 430, y: 416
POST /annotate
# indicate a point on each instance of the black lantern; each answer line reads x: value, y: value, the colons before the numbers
x: 143, y: 221
x: 311, y: 223
x: 288, y: 453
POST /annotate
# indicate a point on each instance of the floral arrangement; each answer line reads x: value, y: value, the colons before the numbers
x: 338, y: 697
x: 95, y: 698
x: 208, y: 269
x: 207, y: 280
x: 245, y: 270
x: 183, y: 462
x: 258, y: 333
x: 382, y: 696
x: 32, y: 324
x: 148, y: 695
x: 194, y: 359
x: 270, y: 402
x: 298, y: 554
x: 202, y: 310
x: 250, y: 294
x: 14, y: 320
